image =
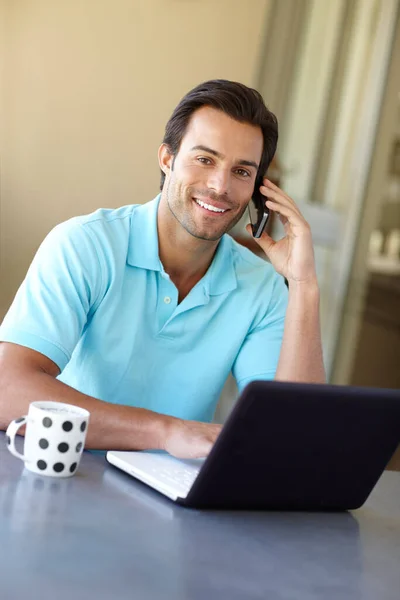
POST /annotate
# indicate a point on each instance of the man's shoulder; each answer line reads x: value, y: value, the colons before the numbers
x: 107, y: 217
x: 102, y: 227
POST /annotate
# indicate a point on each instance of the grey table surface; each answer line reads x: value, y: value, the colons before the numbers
x: 101, y: 535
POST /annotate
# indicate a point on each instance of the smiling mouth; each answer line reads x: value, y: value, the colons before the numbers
x: 209, y: 208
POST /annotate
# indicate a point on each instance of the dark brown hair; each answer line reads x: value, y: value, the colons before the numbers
x: 240, y: 102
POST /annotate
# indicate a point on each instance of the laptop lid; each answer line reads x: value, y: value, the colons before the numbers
x: 300, y: 447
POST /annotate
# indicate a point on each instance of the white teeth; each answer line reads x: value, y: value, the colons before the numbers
x: 209, y: 207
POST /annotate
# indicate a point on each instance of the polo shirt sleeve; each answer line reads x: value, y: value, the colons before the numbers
x: 61, y: 287
x: 259, y: 354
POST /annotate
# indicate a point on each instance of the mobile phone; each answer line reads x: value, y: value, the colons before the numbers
x: 258, y: 212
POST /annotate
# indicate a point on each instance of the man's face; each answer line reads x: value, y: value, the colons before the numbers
x: 210, y: 181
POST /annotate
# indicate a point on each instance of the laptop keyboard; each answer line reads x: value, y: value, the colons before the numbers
x: 172, y: 473
x: 181, y: 478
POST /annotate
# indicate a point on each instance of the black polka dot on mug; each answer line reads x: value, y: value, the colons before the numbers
x: 83, y: 426
x: 63, y: 447
x: 79, y: 447
x: 58, y: 467
x: 8, y: 440
x: 47, y: 422
x: 73, y: 467
x: 42, y: 465
x: 43, y: 443
x: 67, y: 425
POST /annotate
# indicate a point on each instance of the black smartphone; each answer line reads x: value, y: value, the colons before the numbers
x: 258, y: 212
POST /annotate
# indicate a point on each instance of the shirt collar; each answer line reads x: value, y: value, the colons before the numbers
x: 143, y: 250
x: 143, y: 240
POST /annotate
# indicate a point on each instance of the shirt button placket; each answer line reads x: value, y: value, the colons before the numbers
x: 167, y: 301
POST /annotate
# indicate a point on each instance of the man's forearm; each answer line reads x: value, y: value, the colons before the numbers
x: 301, y: 352
x: 111, y: 426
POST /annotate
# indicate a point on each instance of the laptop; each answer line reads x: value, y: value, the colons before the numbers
x: 285, y: 446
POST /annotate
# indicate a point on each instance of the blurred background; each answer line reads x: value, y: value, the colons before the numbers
x: 87, y: 88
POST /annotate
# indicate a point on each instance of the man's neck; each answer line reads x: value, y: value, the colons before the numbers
x: 184, y: 257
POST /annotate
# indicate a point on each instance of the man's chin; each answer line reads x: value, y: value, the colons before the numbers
x: 206, y: 231
x: 206, y: 235
x: 208, y: 238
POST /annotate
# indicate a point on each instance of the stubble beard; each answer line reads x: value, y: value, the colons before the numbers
x: 188, y: 223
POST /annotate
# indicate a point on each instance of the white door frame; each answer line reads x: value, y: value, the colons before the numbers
x: 337, y: 215
x: 358, y: 277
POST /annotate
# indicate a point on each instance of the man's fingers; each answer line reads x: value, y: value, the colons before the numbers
x: 270, y: 185
x: 200, y: 448
x: 215, y: 431
x: 207, y: 441
x: 278, y: 194
x: 280, y: 198
x: 205, y: 448
x: 292, y: 216
x: 191, y: 439
x: 282, y: 219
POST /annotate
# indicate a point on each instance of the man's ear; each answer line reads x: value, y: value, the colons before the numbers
x: 165, y: 158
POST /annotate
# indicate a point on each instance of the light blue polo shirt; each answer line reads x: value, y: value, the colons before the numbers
x: 97, y: 301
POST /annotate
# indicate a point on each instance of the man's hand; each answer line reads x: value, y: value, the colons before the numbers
x: 293, y: 255
x: 190, y: 439
x: 300, y: 358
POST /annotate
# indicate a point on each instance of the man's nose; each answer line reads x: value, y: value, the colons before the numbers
x: 219, y: 181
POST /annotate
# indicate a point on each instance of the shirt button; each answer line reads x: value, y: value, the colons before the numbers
x: 167, y: 299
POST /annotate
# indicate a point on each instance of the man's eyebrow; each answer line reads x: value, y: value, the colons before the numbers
x: 209, y: 150
x: 246, y: 163
x: 249, y: 163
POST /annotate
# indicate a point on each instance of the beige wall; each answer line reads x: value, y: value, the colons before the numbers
x: 88, y: 87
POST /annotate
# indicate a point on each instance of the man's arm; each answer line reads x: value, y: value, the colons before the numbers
x: 27, y: 376
x: 300, y: 357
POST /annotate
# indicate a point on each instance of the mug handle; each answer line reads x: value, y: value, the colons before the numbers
x: 11, y: 433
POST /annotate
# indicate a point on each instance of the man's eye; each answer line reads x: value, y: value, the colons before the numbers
x: 242, y: 173
x: 204, y: 160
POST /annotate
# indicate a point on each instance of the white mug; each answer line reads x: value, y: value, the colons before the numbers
x: 54, y: 438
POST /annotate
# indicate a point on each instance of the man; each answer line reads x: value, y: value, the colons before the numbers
x: 139, y: 314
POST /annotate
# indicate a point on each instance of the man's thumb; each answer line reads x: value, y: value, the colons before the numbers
x: 265, y: 241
